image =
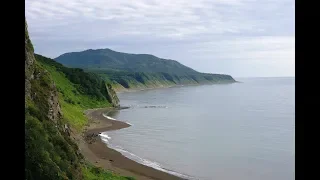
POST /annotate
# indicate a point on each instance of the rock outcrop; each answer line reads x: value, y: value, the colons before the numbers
x: 55, y: 112
x: 113, y: 98
x: 29, y: 63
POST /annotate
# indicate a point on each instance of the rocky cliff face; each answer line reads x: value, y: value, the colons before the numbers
x: 55, y: 112
x: 50, y: 152
x: 114, y: 100
x: 29, y: 63
x: 36, y: 76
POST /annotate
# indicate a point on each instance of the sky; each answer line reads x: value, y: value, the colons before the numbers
x: 243, y: 38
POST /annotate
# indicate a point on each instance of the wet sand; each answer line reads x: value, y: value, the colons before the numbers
x: 97, y: 152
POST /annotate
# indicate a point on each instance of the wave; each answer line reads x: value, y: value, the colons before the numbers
x: 129, y: 123
x: 140, y: 160
x: 108, y: 117
x: 104, y: 137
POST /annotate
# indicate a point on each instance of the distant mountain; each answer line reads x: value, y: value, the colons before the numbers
x: 138, y: 71
x: 105, y: 59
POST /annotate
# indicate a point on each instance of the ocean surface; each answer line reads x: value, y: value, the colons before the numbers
x: 243, y: 131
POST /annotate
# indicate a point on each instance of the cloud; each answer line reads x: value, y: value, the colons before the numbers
x: 215, y: 30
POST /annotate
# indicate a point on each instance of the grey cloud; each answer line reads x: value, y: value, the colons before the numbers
x: 204, y: 34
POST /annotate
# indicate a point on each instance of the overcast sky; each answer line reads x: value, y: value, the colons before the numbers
x: 243, y: 38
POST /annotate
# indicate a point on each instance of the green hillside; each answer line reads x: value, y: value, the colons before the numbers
x: 54, y: 104
x: 138, y: 71
x: 107, y: 59
x: 78, y: 90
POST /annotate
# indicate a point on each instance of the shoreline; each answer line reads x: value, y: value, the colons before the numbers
x: 98, y: 153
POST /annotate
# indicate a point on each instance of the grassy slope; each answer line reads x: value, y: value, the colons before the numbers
x: 68, y: 92
x: 73, y: 114
x: 94, y: 173
x: 51, y: 154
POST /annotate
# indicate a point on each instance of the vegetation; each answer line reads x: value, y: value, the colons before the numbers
x: 74, y: 98
x: 86, y: 83
x: 50, y: 153
x: 96, y: 173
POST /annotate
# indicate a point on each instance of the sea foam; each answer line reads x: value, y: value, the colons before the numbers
x: 104, y: 137
x: 108, y: 117
x: 129, y: 123
x: 146, y: 162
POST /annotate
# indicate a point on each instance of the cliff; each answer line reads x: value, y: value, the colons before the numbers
x: 50, y: 153
x: 113, y: 96
x: 55, y: 99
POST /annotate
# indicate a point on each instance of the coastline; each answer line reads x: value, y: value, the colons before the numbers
x: 99, y: 154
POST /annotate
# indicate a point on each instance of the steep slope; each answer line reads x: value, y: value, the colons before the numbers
x: 84, y: 82
x: 78, y: 91
x: 50, y: 115
x: 50, y: 153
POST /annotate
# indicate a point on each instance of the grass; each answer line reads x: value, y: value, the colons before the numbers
x: 73, y: 102
x: 95, y: 173
x: 50, y: 154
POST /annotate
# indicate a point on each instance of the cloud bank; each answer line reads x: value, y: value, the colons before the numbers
x: 237, y: 37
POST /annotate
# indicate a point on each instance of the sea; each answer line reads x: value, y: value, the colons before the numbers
x: 243, y: 131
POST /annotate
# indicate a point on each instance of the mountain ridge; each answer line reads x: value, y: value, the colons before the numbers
x: 109, y: 59
x: 138, y: 71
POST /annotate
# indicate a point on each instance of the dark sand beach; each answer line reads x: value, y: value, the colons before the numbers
x: 97, y: 152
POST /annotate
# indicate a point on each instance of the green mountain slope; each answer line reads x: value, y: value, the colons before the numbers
x: 54, y: 104
x: 77, y: 90
x: 107, y: 59
x: 138, y: 71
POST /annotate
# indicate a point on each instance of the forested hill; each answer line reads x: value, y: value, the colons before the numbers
x: 106, y: 59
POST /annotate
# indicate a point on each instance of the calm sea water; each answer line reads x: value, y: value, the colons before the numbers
x: 241, y: 131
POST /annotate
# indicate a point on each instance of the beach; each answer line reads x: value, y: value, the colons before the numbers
x: 97, y: 152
